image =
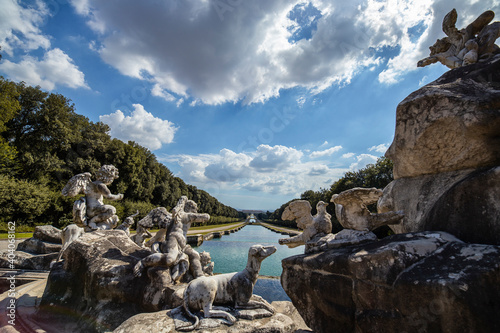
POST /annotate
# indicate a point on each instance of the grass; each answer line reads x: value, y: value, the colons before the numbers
x: 19, y: 235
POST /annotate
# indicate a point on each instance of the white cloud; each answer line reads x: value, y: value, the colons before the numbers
x: 56, y: 68
x: 362, y: 161
x: 268, y: 169
x: 141, y: 127
x: 19, y: 26
x: 348, y: 155
x: 274, y: 158
x: 327, y: 152
x: 382, y: 148
x: 324, y: 144
x: 193, y: 51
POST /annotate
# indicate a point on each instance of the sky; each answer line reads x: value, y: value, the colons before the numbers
x: 253, y: 101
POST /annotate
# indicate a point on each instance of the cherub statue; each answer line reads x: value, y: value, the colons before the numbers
x: 174, y: 252
x: 206, y: 263
x: 90, y: 211
x: 316, y: 225
x: 466, y: 46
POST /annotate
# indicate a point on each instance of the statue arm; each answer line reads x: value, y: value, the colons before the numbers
x: 198, y: 217
x: 106, y: 193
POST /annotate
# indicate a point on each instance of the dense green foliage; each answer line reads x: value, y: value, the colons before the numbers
x: 44, y: 142
x: 377, y: 175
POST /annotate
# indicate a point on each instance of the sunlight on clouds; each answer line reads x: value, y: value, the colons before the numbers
x: 327, y: 152
x: 382, y: 148
x: 141, y: 127
x: 19, y: 27
x: 55, y: 69
x: 362, y: 161
x: 268, y: 169
x: 258, y: 48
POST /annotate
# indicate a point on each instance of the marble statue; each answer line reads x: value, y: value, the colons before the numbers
x: 206, y: 263
x: 352, y: 212
x: 235, y: 289
x: 466, y: 46
x: 140, y: 236
x: 127, y: 223
x: 300, y: 210
x: 174, y: 252
x: 89, y: 211
x: 68, y: 235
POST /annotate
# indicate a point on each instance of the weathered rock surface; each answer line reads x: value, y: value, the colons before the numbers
x: 420, y: 282
x: 25, y: 260
x: 95, y: 281
x: 464, y: 203
x: 48, y: 233
x: 450, y: 124
x: 37, y: 246
x: 164, y: 321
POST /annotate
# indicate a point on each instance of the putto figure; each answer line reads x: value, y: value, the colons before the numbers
x: 466, y: 46
x: 90, y: 211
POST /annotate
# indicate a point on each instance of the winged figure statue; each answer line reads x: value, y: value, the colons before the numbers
x: 300, y: 211
x: 90, y: 211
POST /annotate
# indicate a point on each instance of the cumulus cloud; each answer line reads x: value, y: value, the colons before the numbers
x: 56, y: 68
x: 362, y: 161
x: 274, y: 158
x: 141, y: 127
x: 268, y: 169
x: 251, y: 50
x: 348, y: 155
x: 382, y: 148
x: 19, y: 26
x: 327, y: 152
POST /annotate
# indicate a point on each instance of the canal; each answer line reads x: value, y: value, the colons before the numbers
x: 230, y: 253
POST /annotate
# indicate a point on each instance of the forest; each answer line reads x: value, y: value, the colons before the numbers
x: 377, y: 175
x: 44, y: 142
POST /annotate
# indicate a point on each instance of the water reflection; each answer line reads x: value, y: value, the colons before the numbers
x: 230, y: 252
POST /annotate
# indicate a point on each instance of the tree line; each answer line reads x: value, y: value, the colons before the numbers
x: 377, y: 175
x: 44, y: 142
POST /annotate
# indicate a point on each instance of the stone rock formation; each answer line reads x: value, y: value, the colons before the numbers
x: 419, y: 282
x: 286, y: 320
x: 446, y: 154
x: 96, y: 282
x: 48, y: 233
x: 36, y: 252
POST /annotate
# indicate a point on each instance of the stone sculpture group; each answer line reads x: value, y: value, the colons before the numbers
x: 424, y: 188
x: 466, y: 46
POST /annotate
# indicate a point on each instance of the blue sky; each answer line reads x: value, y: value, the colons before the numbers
x: 253, y: 101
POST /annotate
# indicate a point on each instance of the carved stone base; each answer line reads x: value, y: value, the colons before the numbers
x: 262, y: 321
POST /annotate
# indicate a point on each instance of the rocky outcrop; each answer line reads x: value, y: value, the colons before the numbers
x: 450, y: 124
x: 96, y: 282
x: 464, y: 203
x: 25, y: 260
x: 420, y: 282
x: 37, y: 246
x: 446, y: 154
x: 48, y: 233
x: 286, y: 320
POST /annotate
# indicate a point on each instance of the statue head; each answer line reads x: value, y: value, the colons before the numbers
x: 205, y: 258
x: 440, y: 46
x: 191, y: 207
x: 107, y: 173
